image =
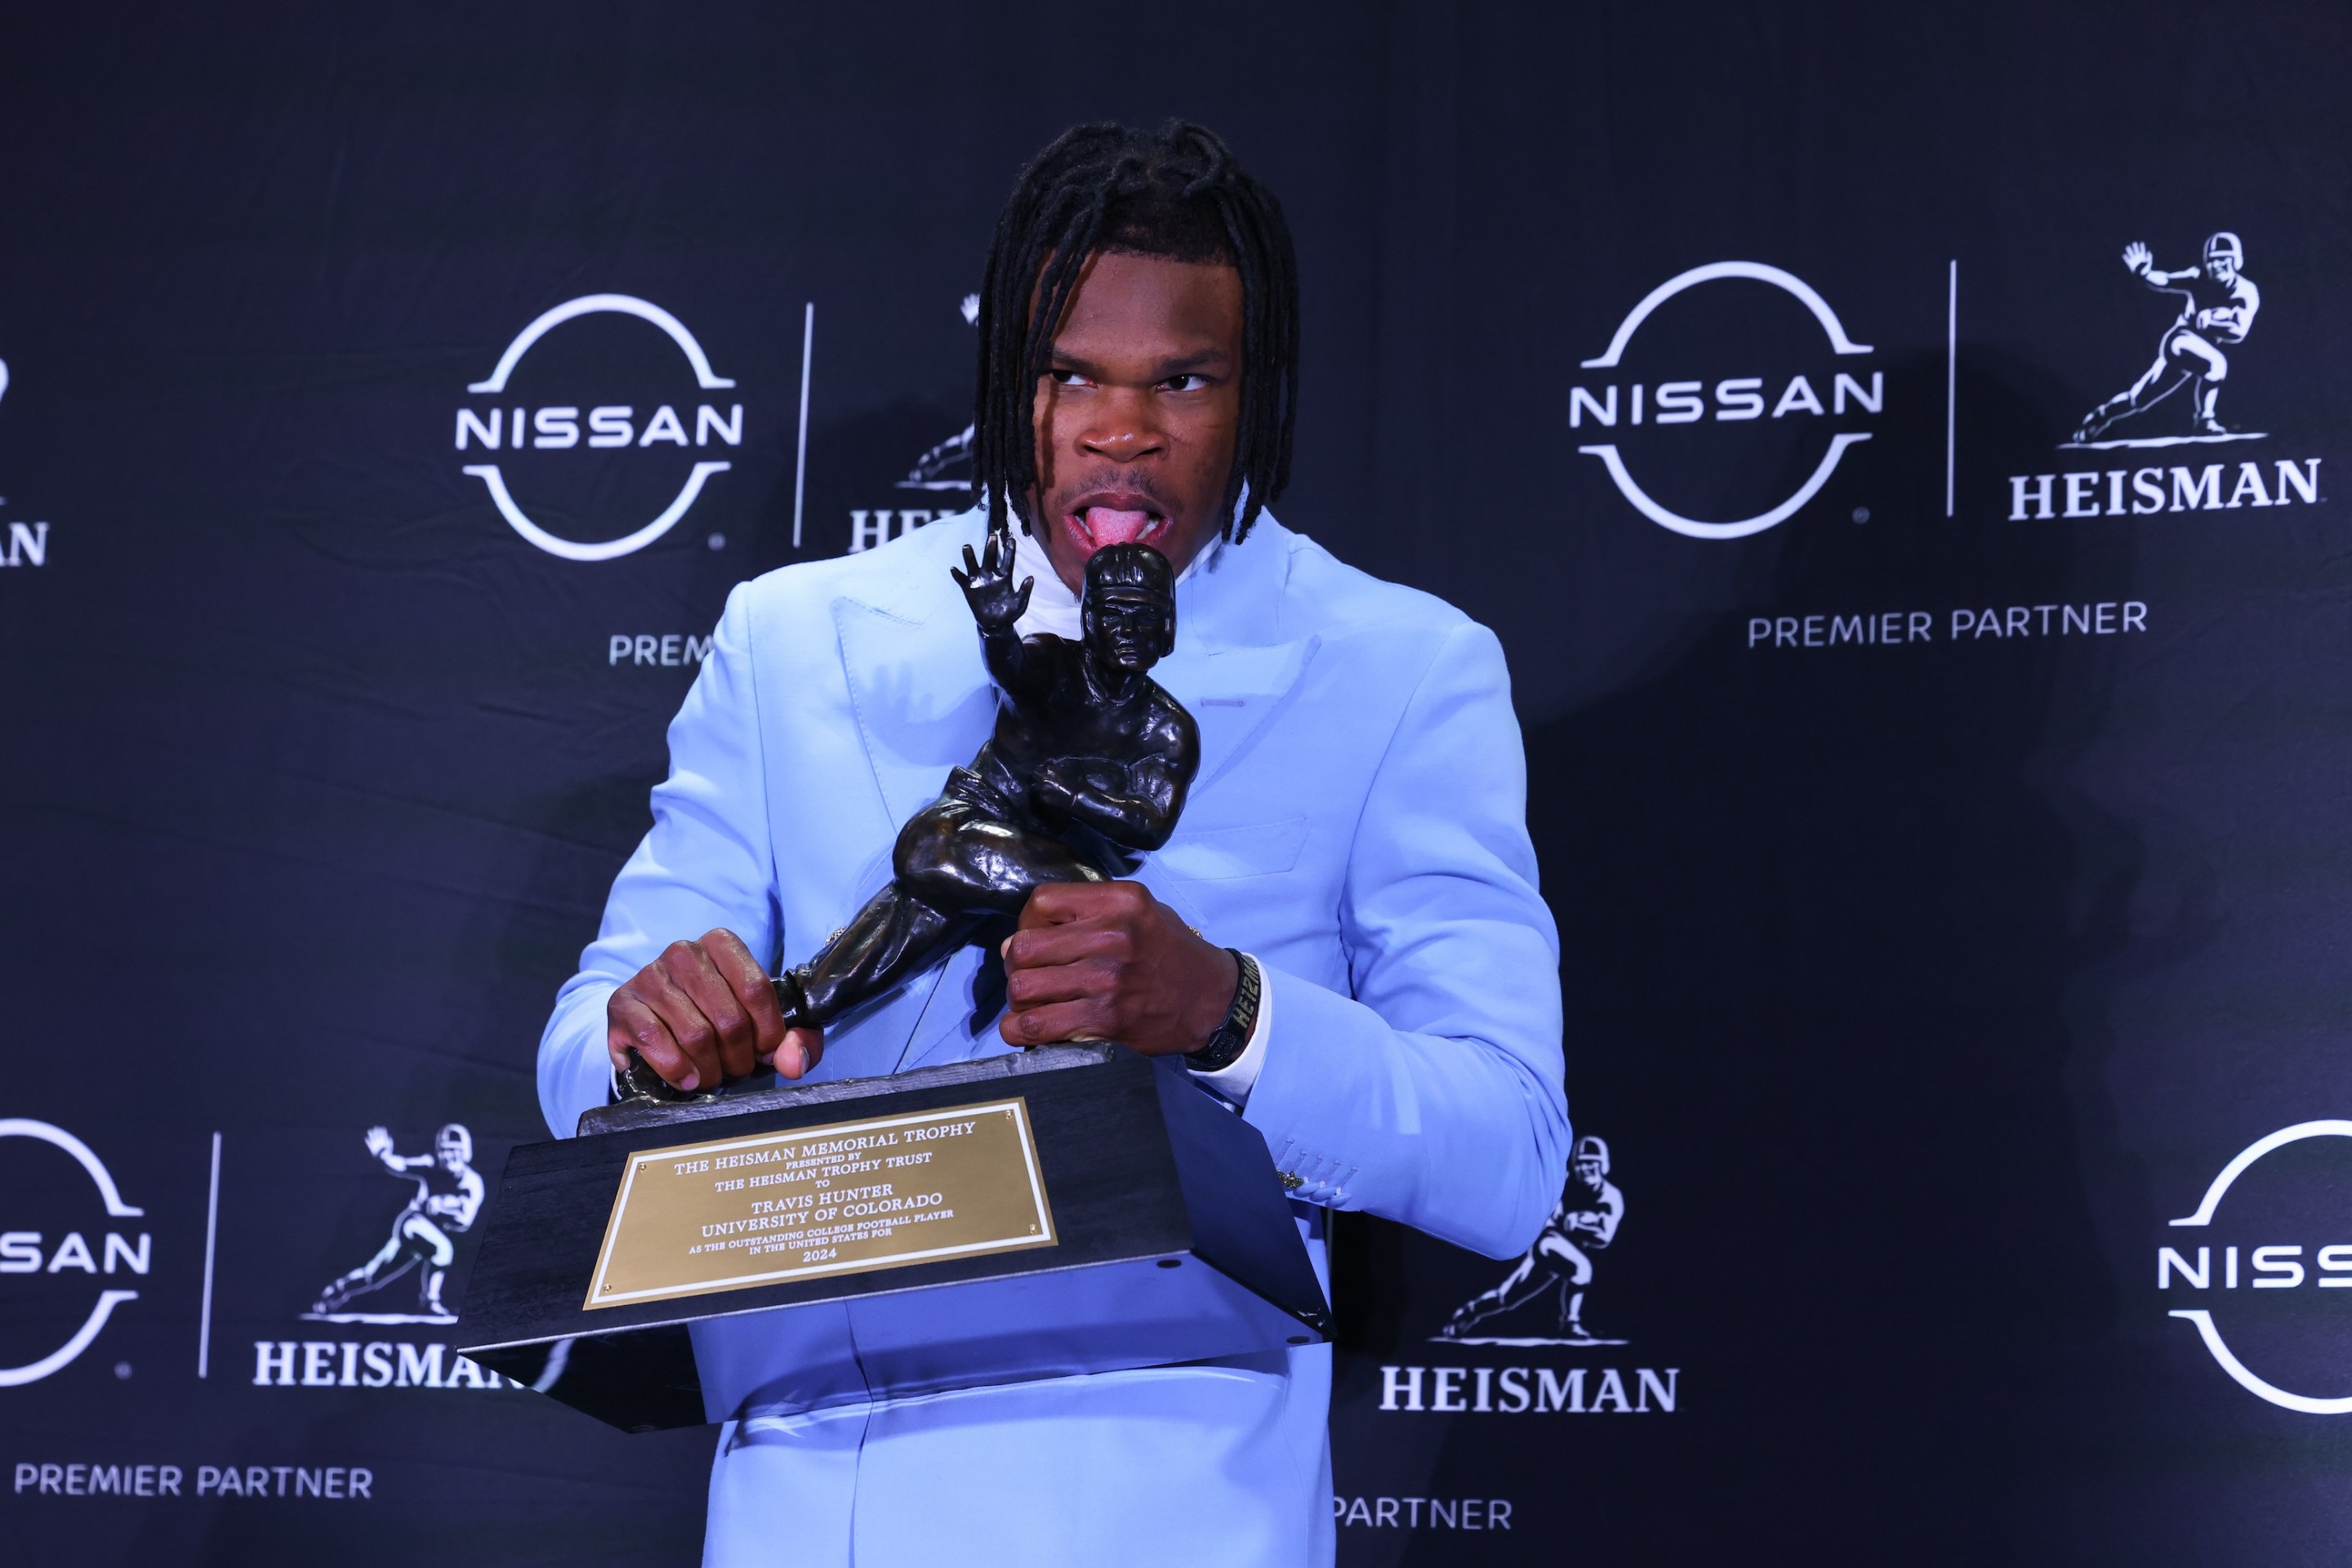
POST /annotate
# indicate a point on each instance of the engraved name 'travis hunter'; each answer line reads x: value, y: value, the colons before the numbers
x: 789, y: 1212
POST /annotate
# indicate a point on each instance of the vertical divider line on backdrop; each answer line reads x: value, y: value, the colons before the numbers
x: 212, y: 1231
x: 1951, y: 384
x: 800, y: 463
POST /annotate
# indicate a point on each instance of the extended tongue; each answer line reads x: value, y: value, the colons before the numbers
x: 1109, y: 525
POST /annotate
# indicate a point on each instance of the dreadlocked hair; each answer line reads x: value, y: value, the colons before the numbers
x: 1175, y: 193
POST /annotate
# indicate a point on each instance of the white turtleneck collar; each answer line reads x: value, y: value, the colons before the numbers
x: 1053, y: 608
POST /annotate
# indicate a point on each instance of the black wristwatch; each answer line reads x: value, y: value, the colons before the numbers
x: 1231, y: 1037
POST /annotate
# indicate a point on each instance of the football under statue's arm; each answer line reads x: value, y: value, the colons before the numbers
x: 2237, y: 318
x: 706, y: 864
x: 1611, y: 1215
x: 1431, y: 1093
x: 463, y: 1205
x: 1144, y: 814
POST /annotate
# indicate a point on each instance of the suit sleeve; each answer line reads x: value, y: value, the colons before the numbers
x: 1431, y: 1094
x: 707, y: 863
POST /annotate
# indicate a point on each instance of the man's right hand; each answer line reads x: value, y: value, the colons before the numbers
x: 705, y: 1012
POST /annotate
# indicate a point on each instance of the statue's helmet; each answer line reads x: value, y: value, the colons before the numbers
x: 1593, y: 1149
x: 1135, y: 568
x: 455, y: 1139
x: 2226, y: 246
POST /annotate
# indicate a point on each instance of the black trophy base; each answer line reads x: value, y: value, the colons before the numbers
x: 1173, y: 1243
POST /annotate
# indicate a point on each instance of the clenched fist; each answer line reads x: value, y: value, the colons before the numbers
x: 705, y: 1012
x: 1106, y: 960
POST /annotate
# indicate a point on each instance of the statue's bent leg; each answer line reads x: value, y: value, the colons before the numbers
x: 955, y: 856
x: 892, y: 937
x: 954, y: 863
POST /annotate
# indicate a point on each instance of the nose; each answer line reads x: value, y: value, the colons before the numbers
x: 1123, y: 430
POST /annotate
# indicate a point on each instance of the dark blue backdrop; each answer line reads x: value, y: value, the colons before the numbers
x: 1950, y: 869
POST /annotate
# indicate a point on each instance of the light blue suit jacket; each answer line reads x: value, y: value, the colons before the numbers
x: 1357, y: 823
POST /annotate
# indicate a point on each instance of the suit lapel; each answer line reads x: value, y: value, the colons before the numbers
x: 921, y: 694
x: 1232, y: 669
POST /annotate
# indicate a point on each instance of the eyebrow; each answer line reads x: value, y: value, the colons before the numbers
x: 1182, y: 364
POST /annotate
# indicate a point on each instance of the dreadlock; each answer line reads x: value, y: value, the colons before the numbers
x: 1176, y: 193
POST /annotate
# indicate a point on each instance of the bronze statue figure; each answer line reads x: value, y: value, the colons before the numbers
x: 1089, y: 766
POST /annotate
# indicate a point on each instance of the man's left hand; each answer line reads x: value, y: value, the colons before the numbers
x: 1106, y: 960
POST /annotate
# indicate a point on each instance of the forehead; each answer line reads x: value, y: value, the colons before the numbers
x: 1150, y: 308
x: 1127, y: 596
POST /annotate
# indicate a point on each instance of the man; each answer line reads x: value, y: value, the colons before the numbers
x: 1355, y: 831
x: 448, y: 1196
x: 1585, y: 1223
x: 2217, y: 307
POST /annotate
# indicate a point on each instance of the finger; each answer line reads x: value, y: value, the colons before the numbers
x: 961, y: 581
x: 693, y: 970
x: 800, y: 1049
x: 748, y: 978
x: 630, y: 1025
x: 1073, y: 941
x: 1054, y: 903
x: 686, y: 1023
x: 1056, y: 1023
x: 970, y: 564
x: 1021, y: 599
x: 1096, y: 976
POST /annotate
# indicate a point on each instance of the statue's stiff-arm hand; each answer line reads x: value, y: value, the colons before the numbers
x: 987, y: 585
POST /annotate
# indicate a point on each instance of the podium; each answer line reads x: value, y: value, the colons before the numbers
x: 1067, y: 1210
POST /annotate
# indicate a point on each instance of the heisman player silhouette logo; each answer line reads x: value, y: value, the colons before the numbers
x: 447, y: 1198
x: 948, y: 465
x: 1557, y: 1272
x: 2217, y: 303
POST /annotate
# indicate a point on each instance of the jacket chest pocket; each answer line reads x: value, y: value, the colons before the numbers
x: 1224, y: 854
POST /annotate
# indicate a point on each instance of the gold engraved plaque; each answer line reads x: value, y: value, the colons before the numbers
x: 844, y: 1198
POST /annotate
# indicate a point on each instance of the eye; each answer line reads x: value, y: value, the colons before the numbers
x: 1068, y: 378
x: 1189, y: 382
